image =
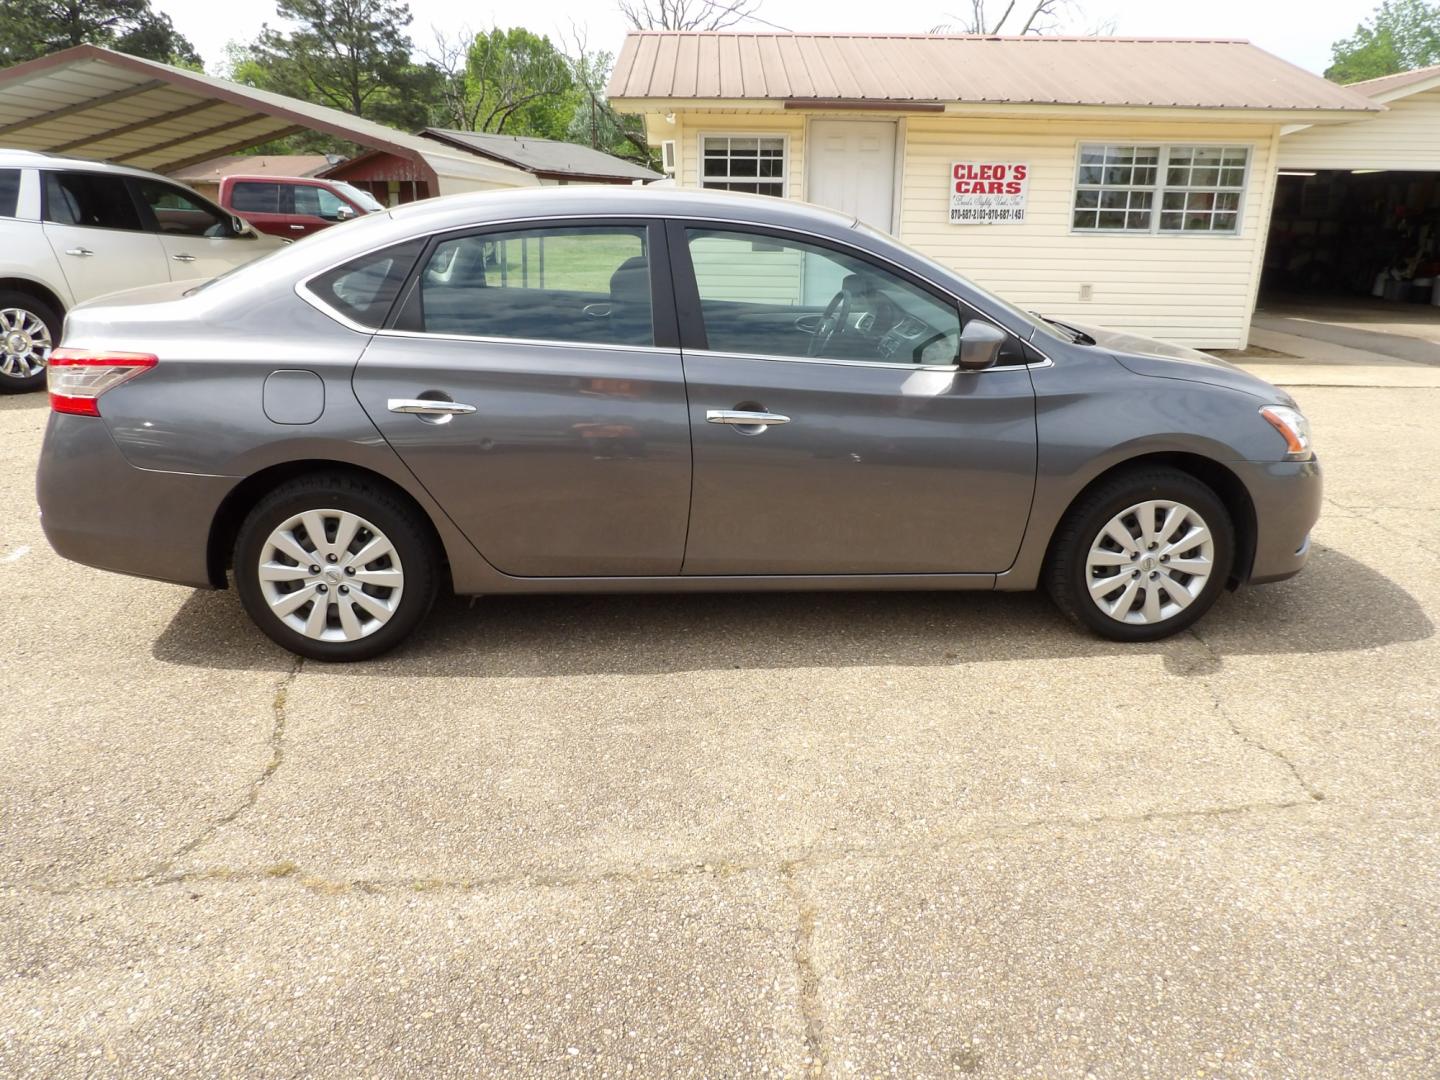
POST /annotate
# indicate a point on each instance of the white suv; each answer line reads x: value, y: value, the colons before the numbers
x: 71, y: 230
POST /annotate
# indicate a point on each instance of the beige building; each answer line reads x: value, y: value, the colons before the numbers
x: 1119, y: 182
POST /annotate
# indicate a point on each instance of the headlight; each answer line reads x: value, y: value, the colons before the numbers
x: 1293, y: 428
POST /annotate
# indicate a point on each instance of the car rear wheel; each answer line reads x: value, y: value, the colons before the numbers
x: 1142, y: 556
x: 334, y: 568
x: 29, y: 329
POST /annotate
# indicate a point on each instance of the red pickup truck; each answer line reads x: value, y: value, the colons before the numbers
x: 294, y: 206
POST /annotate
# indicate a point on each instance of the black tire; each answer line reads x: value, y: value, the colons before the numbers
x: 1067, y: 575
x: 11, y: 299
x: 391, y: 514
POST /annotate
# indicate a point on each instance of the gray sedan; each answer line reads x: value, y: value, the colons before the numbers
x: 594, y: 389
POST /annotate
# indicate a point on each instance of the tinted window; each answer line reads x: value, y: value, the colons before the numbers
x: 316, y: 201
x: 91, y: 199
x: 564, y: 284
x: 365, y: 288
x: 778, y: 297
x: 9, y: 191
x: 179, y: 212
x: 255, y: 198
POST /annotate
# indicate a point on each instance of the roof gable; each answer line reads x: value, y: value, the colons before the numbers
x: 971, y: 69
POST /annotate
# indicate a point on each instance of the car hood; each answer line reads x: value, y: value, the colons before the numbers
x: 1162, y: 360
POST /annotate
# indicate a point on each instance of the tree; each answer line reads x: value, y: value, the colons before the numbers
x: 511, y: 81
x: 352, y: 55
x: 1034, y: 17
x: 32, y: 28
x: 594, y: 122
x: 688, y: 14
x: 1400, y: 35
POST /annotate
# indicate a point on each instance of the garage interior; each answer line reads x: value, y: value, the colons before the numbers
x: 1358, y: 234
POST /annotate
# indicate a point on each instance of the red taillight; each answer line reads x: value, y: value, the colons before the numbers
x: 77, y: 377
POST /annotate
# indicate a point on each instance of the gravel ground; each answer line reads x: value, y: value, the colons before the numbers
x: 868, y: 835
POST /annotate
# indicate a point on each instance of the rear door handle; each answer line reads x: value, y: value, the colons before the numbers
x: 183, y: 258
x: 742, y: 418
x: 429, y: 407
x: 80, y: 252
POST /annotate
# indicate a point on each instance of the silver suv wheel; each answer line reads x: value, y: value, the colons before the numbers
x: 24, y: 343
x: 330, y: 575
x: 1150, y: 562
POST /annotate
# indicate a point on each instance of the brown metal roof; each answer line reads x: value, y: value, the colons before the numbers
x: 95, y: 103
x: 1173, y: 73
x: 234, y: 164
x: 1386, y: 85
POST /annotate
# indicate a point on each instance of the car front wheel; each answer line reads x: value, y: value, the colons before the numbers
x: 334, y: 568
x: 1142, y: 556
x: 29, y: 330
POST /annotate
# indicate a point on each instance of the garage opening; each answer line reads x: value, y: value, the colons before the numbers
x: 1365, y: 235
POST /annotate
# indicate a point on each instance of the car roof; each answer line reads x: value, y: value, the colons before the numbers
x: 576, y: 200
x: 274, y: 178
x: 30, y: 159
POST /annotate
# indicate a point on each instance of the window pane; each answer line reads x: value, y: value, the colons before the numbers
x: 562, y: 284
x: 256, y: 198
x: 771, y: 296
x: 742, y: 162
x: 365, y: 288
x: 180, y: 213
x: 1124, y: 176
x: 90, y: 199
x: 9, y: 191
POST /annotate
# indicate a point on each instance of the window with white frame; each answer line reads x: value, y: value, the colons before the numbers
x: 753, y: 163
x: 1140, y: 188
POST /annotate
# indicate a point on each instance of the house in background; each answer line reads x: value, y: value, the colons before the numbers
x: 1118, y: 181
x: 393, y: 180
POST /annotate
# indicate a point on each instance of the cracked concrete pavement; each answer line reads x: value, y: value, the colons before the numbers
x: 869, y: 835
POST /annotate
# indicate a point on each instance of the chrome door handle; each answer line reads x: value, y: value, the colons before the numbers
x: 740, y: 418
x: 183, y: 258
x: 429, y: 407
x: 81, y: 252
x: 298, y: 228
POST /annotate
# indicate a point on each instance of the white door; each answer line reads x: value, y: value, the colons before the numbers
x: 96, y: 232
x: 852, y: 168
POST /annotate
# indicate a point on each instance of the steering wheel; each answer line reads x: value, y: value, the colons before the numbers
x: 833, y: 321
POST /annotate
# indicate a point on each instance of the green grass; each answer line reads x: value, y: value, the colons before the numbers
x: 571, y: 263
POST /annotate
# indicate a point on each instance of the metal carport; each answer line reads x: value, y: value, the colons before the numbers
x: 94, y: 103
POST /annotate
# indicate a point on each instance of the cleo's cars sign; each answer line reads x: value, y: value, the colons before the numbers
x: 988, y: 192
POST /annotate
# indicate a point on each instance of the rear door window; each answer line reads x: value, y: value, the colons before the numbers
x: 256, y: 198
x: 90, y: 199
x: 570, y: 284
x: 9, y: 191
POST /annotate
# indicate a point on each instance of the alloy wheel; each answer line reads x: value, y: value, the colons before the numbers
x: 330, y: 575
x: 25, y: 343
x: 1150, y: 562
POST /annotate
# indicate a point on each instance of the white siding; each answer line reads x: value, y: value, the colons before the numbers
x: 1407, y: 136
x: 1196, y: 290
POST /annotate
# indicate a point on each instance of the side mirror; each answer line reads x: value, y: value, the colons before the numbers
x: 980, y: 344
x: 239, y: 229
x: 344, y: 213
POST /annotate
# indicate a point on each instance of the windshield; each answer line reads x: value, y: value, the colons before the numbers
x: 363, y: 198
x: 1022, y: 318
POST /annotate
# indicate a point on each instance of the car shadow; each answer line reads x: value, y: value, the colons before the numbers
x: 1336, y: 605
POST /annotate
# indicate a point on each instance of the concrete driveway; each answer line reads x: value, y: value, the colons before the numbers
x: 872, y: 835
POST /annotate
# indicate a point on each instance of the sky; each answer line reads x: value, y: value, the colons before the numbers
x: 1300, y: 31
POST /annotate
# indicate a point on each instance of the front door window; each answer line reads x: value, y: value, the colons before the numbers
x: 765, y: 295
